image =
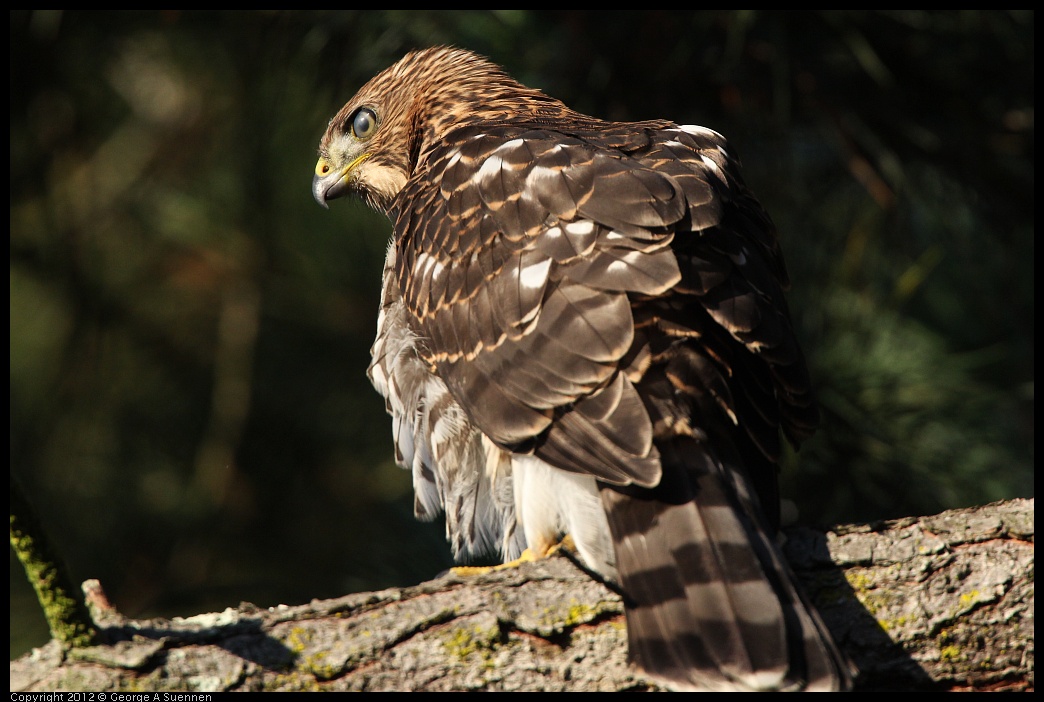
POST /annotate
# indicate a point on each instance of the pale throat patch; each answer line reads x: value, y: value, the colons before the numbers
x: 385, y: 181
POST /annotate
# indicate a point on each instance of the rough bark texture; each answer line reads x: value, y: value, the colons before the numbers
x: 933, y: 603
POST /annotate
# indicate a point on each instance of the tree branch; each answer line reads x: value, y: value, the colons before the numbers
x: 934, y: 603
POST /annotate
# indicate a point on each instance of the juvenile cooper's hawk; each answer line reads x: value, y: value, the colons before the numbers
x: 583, y: 331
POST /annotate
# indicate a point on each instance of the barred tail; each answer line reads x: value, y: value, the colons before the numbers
x: 711, y: 603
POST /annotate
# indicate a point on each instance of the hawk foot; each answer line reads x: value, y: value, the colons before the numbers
x: 527, y: 556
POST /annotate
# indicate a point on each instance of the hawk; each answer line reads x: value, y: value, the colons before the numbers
x: 583, y: 332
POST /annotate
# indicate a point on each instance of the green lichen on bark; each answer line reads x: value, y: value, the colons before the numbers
x: 65, y: 613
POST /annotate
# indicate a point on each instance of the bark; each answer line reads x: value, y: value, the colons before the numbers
x: 933, y: 603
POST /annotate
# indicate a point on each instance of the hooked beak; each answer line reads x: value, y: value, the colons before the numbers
x: 329, y: 183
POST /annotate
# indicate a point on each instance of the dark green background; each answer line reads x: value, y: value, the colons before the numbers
x: 190, y: 332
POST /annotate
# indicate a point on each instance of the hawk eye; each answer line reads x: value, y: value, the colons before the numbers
x: 364, y: 123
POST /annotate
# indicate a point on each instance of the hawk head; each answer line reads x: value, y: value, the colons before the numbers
x: 378, y: 140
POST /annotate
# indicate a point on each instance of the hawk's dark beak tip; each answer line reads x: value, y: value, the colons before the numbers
x: 319, y: 192
x: 328, y: 186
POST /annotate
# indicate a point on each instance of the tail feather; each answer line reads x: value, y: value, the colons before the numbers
x: 711, y: 602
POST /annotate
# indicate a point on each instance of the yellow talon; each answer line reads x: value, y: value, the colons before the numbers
x: 527, y: 556
x: 566, y: 543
